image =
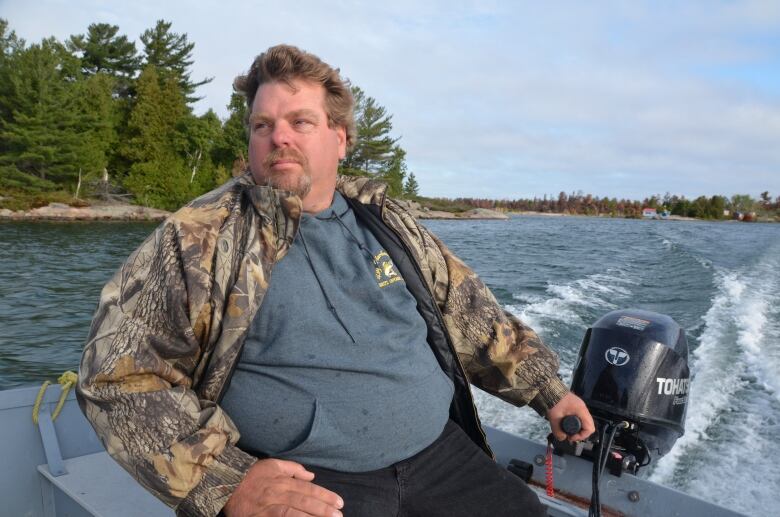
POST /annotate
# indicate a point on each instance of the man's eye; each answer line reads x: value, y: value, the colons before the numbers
x: 261, y: 127
x: 302, y: 122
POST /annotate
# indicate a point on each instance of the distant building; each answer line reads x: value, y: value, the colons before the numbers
x: 649, y: 213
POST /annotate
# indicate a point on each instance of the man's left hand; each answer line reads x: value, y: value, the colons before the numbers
x: 570, y: 404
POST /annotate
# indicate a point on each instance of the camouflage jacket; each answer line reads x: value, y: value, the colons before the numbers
x: 171, y: 323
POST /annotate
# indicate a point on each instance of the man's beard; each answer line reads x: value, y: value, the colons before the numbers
x: 299, y: 185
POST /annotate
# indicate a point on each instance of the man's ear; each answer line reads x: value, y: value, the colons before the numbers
x: 341, y: 134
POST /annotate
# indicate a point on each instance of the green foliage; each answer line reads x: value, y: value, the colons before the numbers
x: 103, y: 52
x: 376, y: 154
x: 9, y: 41
x: 230, y: 146
x: 154, y: 118
x: 86, y: 109
x: 25, y: 199
x: 162, y: 182
x: 158, y: 175
x: 14, y: 180
x: 395, y: 174
x: 77, y: 109
x: 10, y: 47
x: 411, y: 188
x: 743, y: 203
x: 706, y: 208
x: 57, y: 122
x: 198, y: 135
x: 221, y: 175
x: 444, y: 204
x: 171, y: 54
x: 373, y: 152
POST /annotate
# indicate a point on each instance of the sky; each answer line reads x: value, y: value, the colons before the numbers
x: 511, y: 99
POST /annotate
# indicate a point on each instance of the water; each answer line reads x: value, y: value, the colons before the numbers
x: 720, y: 281
x: 51, y: 275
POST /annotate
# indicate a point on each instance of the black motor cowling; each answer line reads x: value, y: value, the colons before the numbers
x: 633, y: 366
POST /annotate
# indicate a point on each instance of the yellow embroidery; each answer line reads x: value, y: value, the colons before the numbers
x: 384, y: 270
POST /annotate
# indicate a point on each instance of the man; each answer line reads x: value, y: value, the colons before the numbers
x: 337, y: 333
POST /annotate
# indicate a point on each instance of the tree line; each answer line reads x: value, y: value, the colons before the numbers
x: 578, y: 203
x: 95, y: 116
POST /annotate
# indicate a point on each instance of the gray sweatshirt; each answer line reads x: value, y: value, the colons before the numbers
x: 336, y: 371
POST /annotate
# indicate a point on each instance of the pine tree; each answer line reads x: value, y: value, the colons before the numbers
x: 48, y: 132
x: 231, y: 147
x: 395, y: 174
x: 198, y: 136
x: 11, y: 47
x: 9, y: 41
x: 158, y: 176
x: 98, y: 123
x: 411, y: 188
x: 102, y: 51
x: 171, y: 54
x: 374, y: 148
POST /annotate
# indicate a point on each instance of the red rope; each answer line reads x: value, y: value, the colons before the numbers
x: 548, y: 461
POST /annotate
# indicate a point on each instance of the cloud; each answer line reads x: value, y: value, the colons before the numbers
x: 509, y: 100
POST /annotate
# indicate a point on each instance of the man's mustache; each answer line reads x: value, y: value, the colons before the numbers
x: 283, y: 154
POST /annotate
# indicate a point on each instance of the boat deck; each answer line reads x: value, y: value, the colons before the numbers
x: 61, y: 468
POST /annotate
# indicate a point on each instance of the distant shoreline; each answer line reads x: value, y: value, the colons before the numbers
x: 95, y: 212
x: 604, y: 216
x: 102, y: 211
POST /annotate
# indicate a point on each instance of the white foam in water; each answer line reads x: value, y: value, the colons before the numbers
x: 758, y: 333
x: 716, y: 373
x: 503, y: 415
x: 542, y: 314
x: 746, y: 475
x: 593, y: 291
x: 752, y: 320
x: 727, y: 454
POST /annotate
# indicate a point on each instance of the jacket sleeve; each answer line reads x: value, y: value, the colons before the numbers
x: 500, y: 354
x: 135, y: 385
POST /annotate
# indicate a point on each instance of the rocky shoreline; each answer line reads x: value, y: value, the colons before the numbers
x: 566, y: 214
x: 421, y: 212
x: 101, y: 211
x: 127, y: 212
x: 96, y: 212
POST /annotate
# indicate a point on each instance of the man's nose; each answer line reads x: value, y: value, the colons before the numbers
x: 281, y: 135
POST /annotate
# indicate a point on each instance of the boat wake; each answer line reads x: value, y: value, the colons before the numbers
x: 559, y: 317
x: 734, y: 408
x: 573, y: 304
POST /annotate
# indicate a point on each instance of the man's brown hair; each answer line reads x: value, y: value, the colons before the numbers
x: 286, y: 63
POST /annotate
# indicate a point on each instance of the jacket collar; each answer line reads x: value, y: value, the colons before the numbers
x: 360, y: 188
x: 283, y: 209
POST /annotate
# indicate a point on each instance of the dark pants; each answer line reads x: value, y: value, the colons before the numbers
x: 452, y: 477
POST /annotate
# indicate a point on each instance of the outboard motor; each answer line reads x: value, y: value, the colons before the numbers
x: 632, y: 372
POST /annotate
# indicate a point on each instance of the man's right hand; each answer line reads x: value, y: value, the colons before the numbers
x: 274, y: 488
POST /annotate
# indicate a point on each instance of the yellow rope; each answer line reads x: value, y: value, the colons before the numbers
x: 66, y: 380
x: 38, y: 399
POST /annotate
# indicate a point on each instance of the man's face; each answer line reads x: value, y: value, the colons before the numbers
x: 291, y: 146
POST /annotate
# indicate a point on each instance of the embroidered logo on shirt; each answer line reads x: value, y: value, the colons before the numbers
x: 384, y: 270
